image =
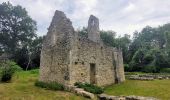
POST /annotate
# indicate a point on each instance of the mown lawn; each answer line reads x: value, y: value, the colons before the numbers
x: 22, y: 88
x: 157, y: 88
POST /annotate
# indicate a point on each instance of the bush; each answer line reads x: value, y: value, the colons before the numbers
x: 165, y: 70
x: 50, y: 86
x: 150, y: 69
x: 8, y: 68
x: 126, y: 67
x: 89, y: 87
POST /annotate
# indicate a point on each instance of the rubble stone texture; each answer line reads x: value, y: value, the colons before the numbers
x: 67, y: 58
x: 132, y: 97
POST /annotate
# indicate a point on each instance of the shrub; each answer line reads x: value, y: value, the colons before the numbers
x: 78, y: 84
x: 165, y: 70
x: 150, y: 69
x: 89, y: 87
x: 8, y: 68
x: 50, y: 86
x: 34, y: 71
x: 126, y: 67
x: 6, y: 74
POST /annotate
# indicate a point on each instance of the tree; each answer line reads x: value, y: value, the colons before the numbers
x: 17, y: 33
x: 108, y: 37
x: 17, y: 28
x: 34, y: 50
x: 123, y: 43
x: 29, y: 56
x: 155, y: 42
x: 83, y: 32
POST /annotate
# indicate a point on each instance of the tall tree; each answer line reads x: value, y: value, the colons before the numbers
x: 123, y: 43
x: 17, y: 28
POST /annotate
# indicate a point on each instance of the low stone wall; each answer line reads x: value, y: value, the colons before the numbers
x: 109, y: 97
x: 148, y: 77
x: 142, y: 78
x: 156, y: 76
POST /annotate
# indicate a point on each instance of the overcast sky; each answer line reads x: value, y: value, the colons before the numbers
x: 121, y: 16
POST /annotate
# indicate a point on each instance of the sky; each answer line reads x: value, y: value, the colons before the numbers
x: 121, y: 16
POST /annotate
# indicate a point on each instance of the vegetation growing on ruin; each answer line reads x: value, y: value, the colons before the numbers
x: 50, y: 86
x: 89, y: 87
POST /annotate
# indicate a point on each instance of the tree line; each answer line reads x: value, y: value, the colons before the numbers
x: 147, y: 51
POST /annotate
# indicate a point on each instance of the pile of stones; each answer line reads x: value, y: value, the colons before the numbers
x: 148, y: 77
x: 156, y: 76
x: 109, y: 97
x: 82, y: 92
x: 79, y: 91
x: 141, y: 78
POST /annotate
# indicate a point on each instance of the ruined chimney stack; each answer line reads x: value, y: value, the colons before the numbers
x: 93, y: 29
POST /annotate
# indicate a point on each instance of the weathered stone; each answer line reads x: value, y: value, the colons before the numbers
x: 102, y: 97
x: 82, y: 92
x: 148, y: 77
x: 108, y: 97
x: 88, y: 94
x: 139, y: 98
x: 93, y: 29
x: 141, y: 78
x: 70, y: 88
x: 78, y: 90
x: 67, y: 58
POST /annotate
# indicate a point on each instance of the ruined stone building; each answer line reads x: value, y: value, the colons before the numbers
x: 67, y: 58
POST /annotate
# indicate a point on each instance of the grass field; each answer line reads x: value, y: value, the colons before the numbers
x: 157, y: 88
x: 22, y: 88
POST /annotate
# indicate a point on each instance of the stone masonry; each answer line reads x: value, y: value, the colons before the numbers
x: 67, y: 58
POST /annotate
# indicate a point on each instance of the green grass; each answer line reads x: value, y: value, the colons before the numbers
x: 22, y: 88
x: 157, y: 88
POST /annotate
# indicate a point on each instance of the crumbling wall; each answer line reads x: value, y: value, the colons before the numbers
x: 66, y: 57
x: 87, y: 52
x: 55, y: 50
x: 119, y: 68
x: 93, y: 29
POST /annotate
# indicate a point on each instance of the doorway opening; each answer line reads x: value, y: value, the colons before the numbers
x: 92, y: 73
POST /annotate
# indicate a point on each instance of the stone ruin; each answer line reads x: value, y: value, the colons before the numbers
x: 67, y: 57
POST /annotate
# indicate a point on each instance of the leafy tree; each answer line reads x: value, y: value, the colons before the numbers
x: 155, y: 42
x: 17, y: 28
x: 83, y: 32
x: 17, y: 34
x: 29, y: 56
x: 123, y: 43
x: 108, y: 37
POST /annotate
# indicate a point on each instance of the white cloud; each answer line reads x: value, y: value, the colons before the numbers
x: 122, y: 16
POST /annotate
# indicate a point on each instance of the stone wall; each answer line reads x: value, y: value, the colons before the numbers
x: 55, y: 50
x: 118, y: 62
x: 87, y: 52
x: 93, y: 29
x: 66, y: 57
x: 131, y: 97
